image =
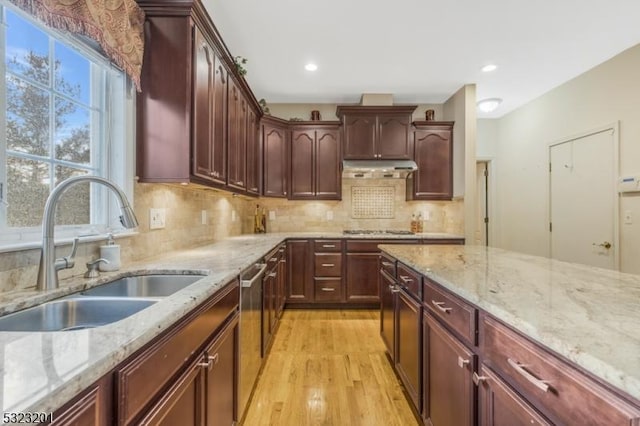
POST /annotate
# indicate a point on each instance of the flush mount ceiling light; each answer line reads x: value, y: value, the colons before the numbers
x: 311, y: 66
x: 489, y: 105
x: 489, y: 68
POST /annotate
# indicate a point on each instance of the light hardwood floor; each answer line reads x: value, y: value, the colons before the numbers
x: 328, y: 367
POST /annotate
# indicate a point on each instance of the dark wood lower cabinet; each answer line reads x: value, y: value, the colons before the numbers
x: 449, y: 392
x: 182, y: 403
x: 498, y: 405
x: 362, y: 278
x: 387, y: 313
x: 221, y: 377
x: 94, y: 407
x: 300, y: 275
x: 408, y: 357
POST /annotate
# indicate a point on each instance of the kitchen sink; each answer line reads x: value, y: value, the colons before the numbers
x: 73, y: 313
x: 145, y: 286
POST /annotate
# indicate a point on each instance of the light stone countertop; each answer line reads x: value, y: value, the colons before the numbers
x: 42, y: 370
x: 589, y: 315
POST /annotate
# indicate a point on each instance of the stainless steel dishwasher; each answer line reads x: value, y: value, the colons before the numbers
x: 250, y: 332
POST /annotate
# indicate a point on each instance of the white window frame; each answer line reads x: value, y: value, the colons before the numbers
x: 113, y: 140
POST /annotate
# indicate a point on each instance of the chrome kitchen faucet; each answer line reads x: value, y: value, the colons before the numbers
x: 49, y: 265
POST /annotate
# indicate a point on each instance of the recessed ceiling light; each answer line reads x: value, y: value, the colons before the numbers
x: 489, y: 68
x: 311, y: 66
x: 489, y: 105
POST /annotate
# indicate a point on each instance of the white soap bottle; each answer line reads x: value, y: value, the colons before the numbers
x: 111, y: 252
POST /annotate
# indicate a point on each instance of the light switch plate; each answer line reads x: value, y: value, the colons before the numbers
x: 203, y: 217
x: 233, y: 216
x: 157, y: 218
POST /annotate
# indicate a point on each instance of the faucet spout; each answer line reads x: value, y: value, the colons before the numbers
x: 48, y: 271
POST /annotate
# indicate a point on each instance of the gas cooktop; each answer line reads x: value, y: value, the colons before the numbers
x: 375, y: 231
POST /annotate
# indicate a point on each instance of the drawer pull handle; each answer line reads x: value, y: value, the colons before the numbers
x: 328, y: 265
x: 328, y: 246
x: 462, y: 362
x: 272, y: 274
x: 328, y: 289
x: 394, y: 289
x: 387, y: 264
x: 477, y: 379
x: 406, y: 279
x: 273, y: 259
x: 210, y: 361
x: 520, y: 368
x: 440, y: 307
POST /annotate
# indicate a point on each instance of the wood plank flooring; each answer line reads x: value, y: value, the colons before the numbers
x: 328, y: 367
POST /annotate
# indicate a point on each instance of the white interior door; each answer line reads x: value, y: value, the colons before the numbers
x: 582, y: 205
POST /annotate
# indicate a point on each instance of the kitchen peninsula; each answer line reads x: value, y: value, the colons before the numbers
x: 551, y: 341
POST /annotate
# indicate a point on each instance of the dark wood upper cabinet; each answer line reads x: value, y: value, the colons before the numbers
x: 192, y: 114
x: 209, y: 112
x: 376, y: 132
x: 253, y: 164
x: 315, y: 162
x: 433, y: 153
x: 237, y: 141
x: 275, y: 164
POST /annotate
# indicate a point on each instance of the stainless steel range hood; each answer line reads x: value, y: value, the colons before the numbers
x: 378, y: 169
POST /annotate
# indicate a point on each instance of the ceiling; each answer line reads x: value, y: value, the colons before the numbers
x: 421, y: 51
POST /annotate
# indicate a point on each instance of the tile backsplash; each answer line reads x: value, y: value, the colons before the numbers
x: 228, y: 215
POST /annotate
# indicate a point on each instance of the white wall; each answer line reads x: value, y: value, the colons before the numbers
x: 606, y: 94
x: 461, y: 108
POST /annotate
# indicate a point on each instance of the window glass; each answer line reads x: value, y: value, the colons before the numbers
x: 63, y: 106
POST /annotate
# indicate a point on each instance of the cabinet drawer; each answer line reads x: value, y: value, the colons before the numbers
x: 328, y: 289
x: 139, y: 380
x: 321, y: 246
x: 272, y: 259
x: 459, y: 316
x: 388, y: 264
x: 410, y: 280
x: 558, y: 390
x: 328, y: 265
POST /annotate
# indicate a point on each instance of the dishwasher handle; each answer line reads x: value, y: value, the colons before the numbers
x: 256, y: 277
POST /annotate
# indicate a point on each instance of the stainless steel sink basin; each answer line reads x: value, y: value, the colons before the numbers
x: 151, y: 286
x: 73, y: 313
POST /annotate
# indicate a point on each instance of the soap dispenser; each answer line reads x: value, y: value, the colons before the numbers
x: 111, y: 252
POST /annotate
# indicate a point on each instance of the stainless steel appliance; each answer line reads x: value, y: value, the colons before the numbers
x: 250, y: 332
x: 378, y: 169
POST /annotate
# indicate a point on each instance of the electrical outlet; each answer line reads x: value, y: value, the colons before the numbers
x: 157, y: 218
x: 203, y: 217
x: 329, y: 215
x: 628, y: 217
x: 426, y: 215
x: 272, y: 215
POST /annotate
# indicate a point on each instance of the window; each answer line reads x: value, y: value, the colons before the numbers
x: 63, y: 110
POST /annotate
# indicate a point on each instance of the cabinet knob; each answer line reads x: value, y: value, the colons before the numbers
x: 477, y: 379
x: 462, y: 362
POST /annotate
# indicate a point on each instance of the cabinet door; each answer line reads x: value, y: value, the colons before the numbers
x: 300, y: 285
x: 93, y: 408
x: 408, y: 359
x: 182, y: 404
x: 221, y: 382
x: 253, y: 153
x: 328, y: 180
x: 302, y: 163
x: 394, y: 136
x: 237, y: 131
x: 433, y: 152
x: 204, y: 66
x: 359, y: 136
x: 268, y: 310
x: 498, y: 405
x: 274, y: 141
x: 362, y: 278
x: 387, y: 313
x: 448, y: 389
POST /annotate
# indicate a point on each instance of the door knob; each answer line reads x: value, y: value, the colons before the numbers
x: 606, y: 245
